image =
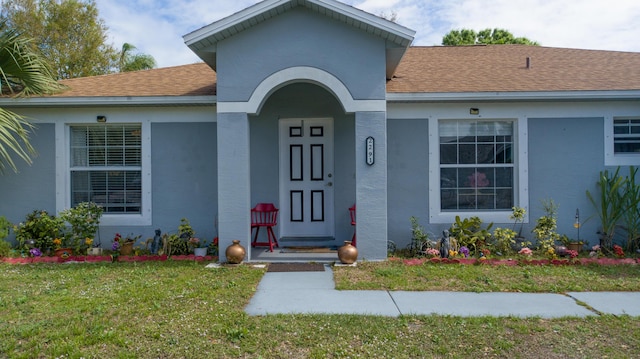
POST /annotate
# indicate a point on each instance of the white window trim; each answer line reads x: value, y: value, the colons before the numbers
x: 521, y: 177
x: 610, y: 157
x: 63, y: 174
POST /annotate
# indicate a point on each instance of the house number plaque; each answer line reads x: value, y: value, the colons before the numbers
x: 370, y: 151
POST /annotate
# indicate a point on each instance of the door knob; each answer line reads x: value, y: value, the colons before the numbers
x: 330, y: 184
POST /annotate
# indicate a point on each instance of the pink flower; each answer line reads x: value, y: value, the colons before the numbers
x: 525, y: 251
x: 572, y: 253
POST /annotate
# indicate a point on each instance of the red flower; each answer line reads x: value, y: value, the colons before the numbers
x: 618, y: 251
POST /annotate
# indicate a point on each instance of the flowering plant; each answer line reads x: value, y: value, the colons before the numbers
x: 432, y: 252
x: 196, y: 242
x: 572, y: 254
x: 477, y: 179
x: 464, y: 251
x: 35, y: 252
x: 618, y: 251
x: 526, y: 251
x: 595, y: 251
x: 57, y: 243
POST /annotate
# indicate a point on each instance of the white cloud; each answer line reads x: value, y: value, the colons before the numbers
x: 156, y: 27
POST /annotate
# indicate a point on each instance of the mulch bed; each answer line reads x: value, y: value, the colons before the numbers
x: 142, y: 258
x: 295, y: 267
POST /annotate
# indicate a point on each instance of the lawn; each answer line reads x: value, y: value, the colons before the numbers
x: 183, y: 310
x: 395, y: 275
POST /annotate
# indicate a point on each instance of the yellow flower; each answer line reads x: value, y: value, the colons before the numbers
x: 57, y: 241
x: 88, y: 241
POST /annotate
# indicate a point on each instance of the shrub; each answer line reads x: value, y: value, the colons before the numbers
x: 5, y: 248
x: 545, y: 229
x: 40, y: 226
x: 470, y: 233
x: 84, y: 220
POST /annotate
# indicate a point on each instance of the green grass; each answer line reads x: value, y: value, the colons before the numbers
x: 183, y: 310
x: 394, y: 275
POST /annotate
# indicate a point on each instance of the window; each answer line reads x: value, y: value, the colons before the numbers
x: 477, y: 167
x: 106, y: 166
x: 621, y: 140
x: 626, y: 135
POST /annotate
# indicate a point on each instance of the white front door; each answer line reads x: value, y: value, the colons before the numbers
x: 306, y: 178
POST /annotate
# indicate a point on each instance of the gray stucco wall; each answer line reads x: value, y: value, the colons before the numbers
x: 34, y: 186
x: 303, y: 101
x: 565, y: 157
x: 184, y: 177
x: 408, y: 176
x: 300, y: 37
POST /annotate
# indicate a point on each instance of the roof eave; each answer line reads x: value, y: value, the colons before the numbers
x: 109, y: 101
x: 396, y: 97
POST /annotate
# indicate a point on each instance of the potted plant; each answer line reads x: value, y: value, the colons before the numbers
x: 124, y: 246
x: 199, y: 246
x: 571, y: 244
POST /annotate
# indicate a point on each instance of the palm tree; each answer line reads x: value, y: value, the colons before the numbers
x: 134, y: 62
x: 22, y: 73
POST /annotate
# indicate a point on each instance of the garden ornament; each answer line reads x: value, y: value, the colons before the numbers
x: 445, y: 244
x: 156, y: 242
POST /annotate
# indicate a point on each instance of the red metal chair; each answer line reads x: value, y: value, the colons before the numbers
x: 352, y: 212
x: 264, y: 215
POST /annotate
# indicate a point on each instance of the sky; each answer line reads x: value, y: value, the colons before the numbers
x: 156, y: 27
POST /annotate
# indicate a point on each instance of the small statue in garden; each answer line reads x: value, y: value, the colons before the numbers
x: 156, y: 242
x: 445, y: 244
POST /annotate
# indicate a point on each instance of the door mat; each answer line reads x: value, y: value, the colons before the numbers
x: 295, y: 267
x: 307, y: 250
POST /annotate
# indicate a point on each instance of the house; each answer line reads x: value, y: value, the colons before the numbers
x: 314, y: 105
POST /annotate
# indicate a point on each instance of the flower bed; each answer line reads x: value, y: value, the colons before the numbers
x: 92, y: 259
x: 515, y: 262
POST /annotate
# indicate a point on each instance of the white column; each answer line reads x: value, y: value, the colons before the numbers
x: 234, y: 178
x: 371, y: 186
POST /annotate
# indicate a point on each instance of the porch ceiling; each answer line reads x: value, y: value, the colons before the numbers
x: 398, y: 38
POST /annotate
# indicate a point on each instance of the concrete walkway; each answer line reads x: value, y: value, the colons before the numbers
x: 315, y: 293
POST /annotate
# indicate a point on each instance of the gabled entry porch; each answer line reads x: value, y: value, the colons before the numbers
x: 303, y: 151
x: 323, y: 64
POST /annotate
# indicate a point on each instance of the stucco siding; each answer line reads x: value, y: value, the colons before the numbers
x: 565, y: 157
x: 34, y: 186
x: 184, y: 175
x: 301, y: 37
x: 408, y: 153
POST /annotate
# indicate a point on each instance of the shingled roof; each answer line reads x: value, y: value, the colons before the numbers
x: 187, y: 80
x: 503, y: 68
x: 437, y: 69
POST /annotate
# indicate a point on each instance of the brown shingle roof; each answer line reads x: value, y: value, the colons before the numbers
x: 437, y: 69
x: 501, y: 68
x: 187, y: 80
